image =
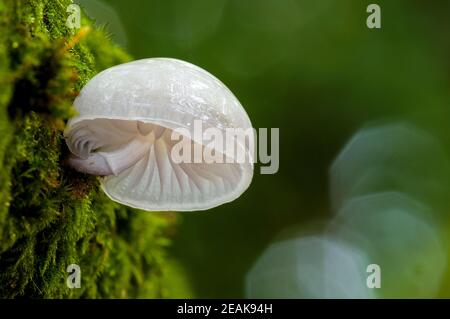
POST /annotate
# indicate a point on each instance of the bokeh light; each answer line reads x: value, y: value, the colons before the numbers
x: 309, y: 267
x: 396, y: 156
x: 398, y: 234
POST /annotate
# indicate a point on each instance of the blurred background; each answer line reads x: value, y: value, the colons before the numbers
x: 364, y: 141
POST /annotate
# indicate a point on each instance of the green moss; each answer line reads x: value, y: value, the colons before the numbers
x: 50, y: 215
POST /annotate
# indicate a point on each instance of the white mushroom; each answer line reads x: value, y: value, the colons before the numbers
x: 127, y: 115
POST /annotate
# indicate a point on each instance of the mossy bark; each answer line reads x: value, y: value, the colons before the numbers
x: 50, y: 215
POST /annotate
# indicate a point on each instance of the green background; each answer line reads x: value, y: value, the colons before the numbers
x: 312, y: 69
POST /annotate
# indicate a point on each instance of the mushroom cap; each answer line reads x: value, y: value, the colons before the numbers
x: 127, y: 115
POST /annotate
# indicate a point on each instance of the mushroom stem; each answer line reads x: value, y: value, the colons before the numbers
x: 112, y: 162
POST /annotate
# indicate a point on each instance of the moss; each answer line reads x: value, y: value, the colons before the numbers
x: 50, y: 215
